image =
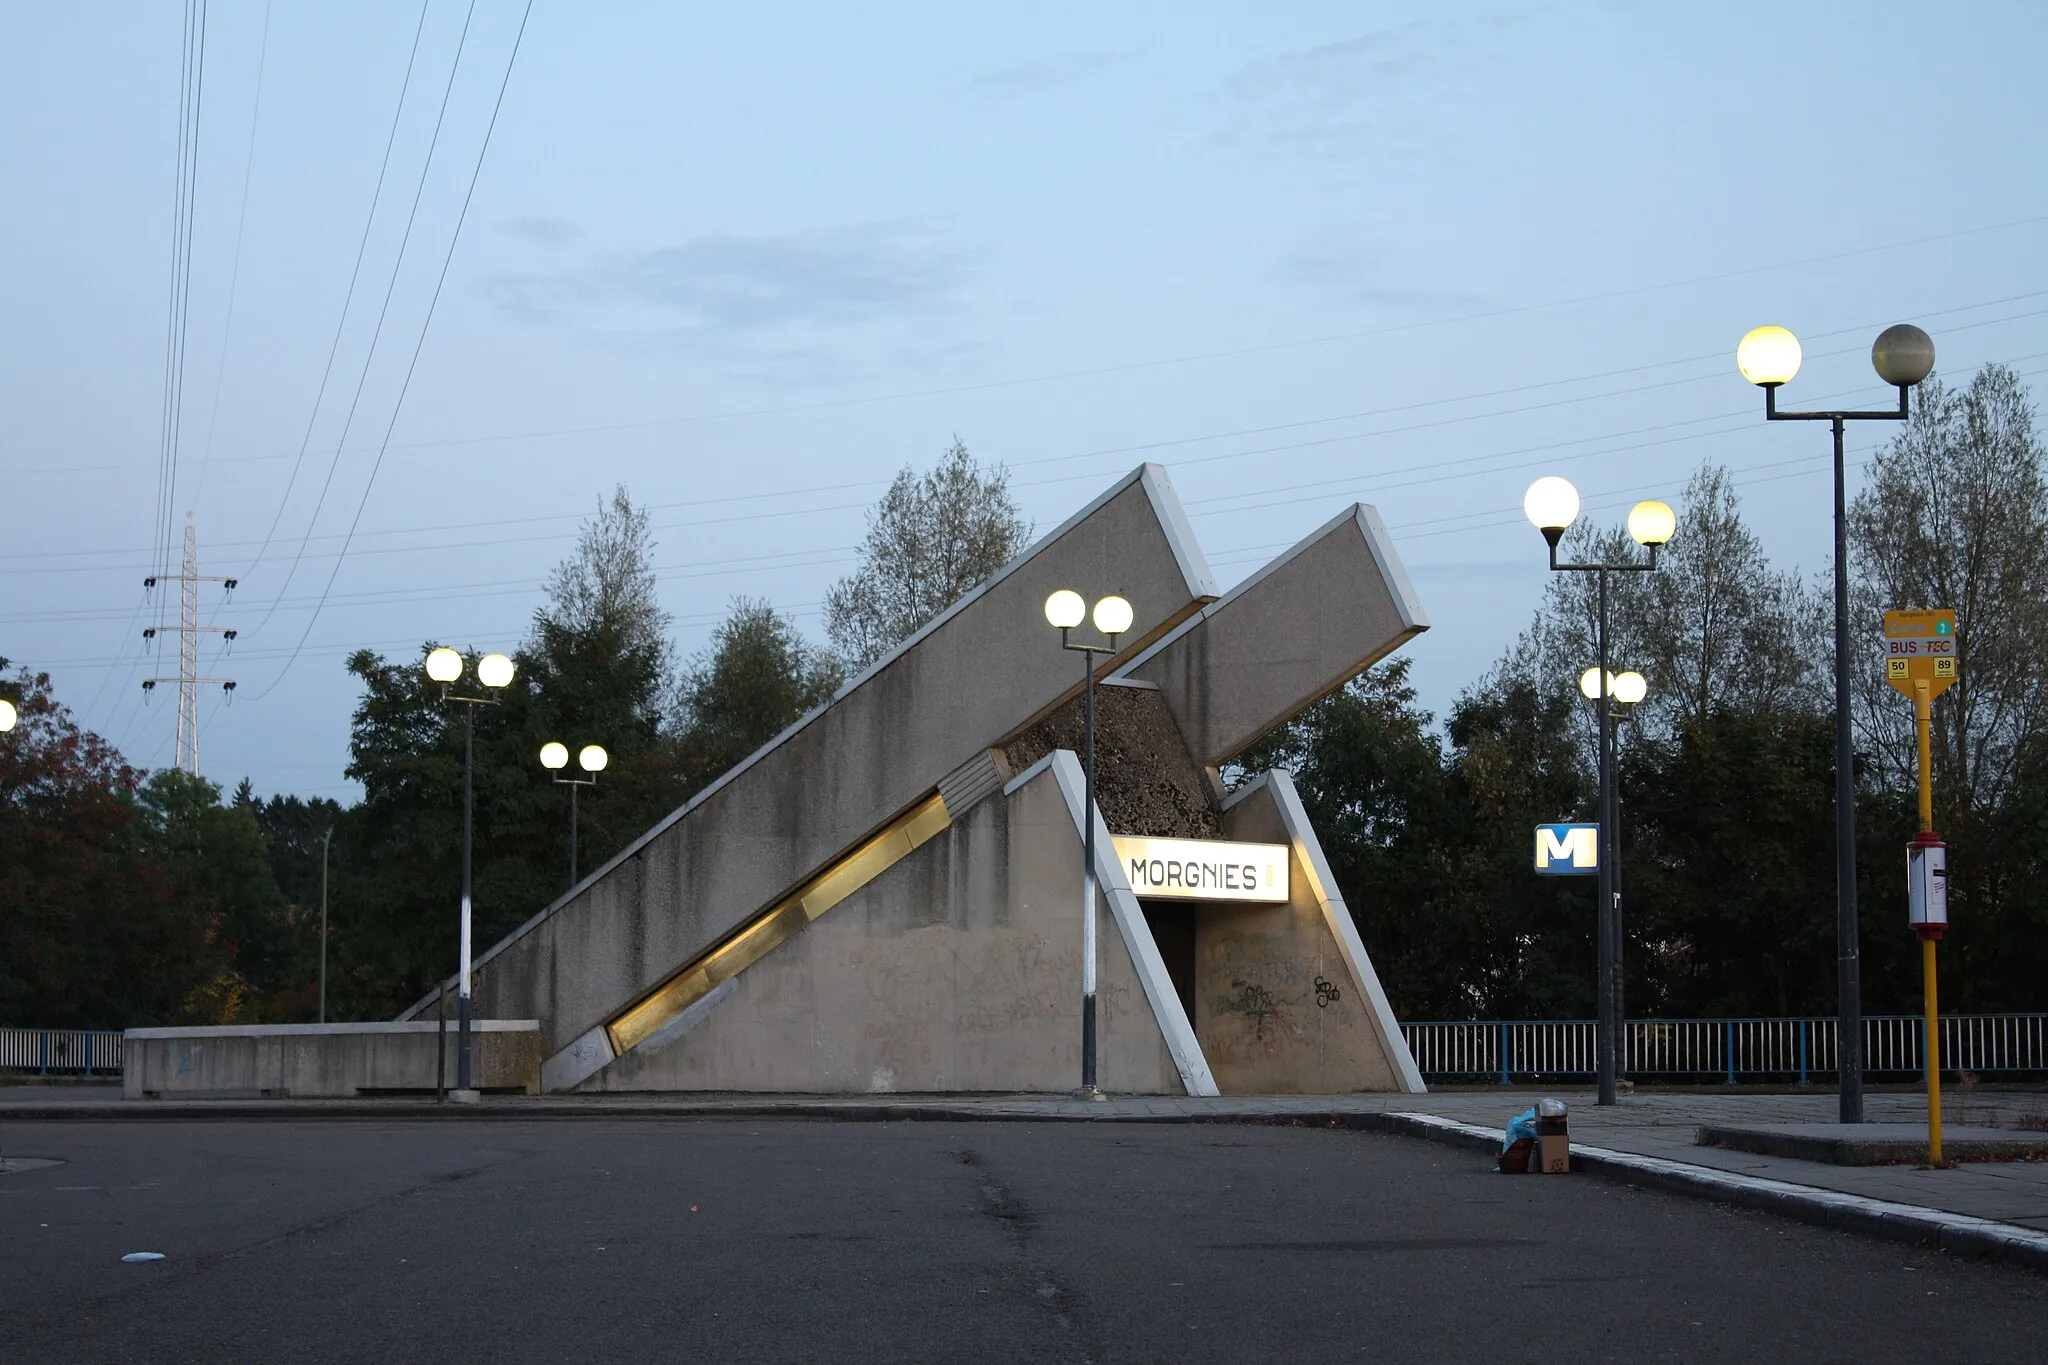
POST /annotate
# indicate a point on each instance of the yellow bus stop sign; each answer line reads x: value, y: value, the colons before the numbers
x: 1920, y: 646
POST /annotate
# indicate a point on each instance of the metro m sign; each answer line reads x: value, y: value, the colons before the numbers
x: 1568, y: 850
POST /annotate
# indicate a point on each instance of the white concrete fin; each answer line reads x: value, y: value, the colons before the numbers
x: 1337, y: 915
x: 1173, y: 520
x: 1115, y: 887
x: 1391, y: 567
x: 577, y: 1062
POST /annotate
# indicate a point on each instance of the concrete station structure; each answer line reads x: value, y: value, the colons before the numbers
x: 887, y: 895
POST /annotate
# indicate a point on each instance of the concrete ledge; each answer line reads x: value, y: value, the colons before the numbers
x: 1874, y: 1144
x: 324, y: 1060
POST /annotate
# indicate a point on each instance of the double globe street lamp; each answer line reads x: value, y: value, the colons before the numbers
x: 494, y: 671
x: 1903, y: 355
x: 1552, y: 504
x: 591, y: 758
x: 1065, y: 610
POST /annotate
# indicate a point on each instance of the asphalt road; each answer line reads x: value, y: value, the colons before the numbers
x: 590, y: 1241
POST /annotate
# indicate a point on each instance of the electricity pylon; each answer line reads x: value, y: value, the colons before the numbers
x: 189, y: 630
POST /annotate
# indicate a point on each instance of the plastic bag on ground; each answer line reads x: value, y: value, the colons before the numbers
x: 1522, y: 1125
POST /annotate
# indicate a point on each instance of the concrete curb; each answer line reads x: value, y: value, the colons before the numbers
x: 1955, y: 1233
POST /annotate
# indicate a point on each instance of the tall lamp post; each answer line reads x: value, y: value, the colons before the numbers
x: 1553, y: 504
x: 325, y: 840
x: 1626, y: 690
x: 1903, y: 356
x: 1064, y: 609
x: 494, y: 671
x: 591, y: 758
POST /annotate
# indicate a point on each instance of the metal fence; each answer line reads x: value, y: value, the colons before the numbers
x: 1507, y: 1050
x: 47, y: 1051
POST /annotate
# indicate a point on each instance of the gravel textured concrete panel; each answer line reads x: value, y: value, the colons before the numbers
x: 981, y: 672
x: 323, y: 1061
x: 1298, y: 629
x: 958, y: 969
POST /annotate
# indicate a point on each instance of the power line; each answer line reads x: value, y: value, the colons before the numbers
x: 383, y: 312
x: 41, y: 559
x: 426, y: 325
x: 355, y: 273
x: 235, y: 270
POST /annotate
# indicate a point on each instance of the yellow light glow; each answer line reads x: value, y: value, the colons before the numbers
x: 1630, y: 687
x: 494, y: 670
x: 1113, y: 616
x: 444, y: 665
x: 1768, y: 355
x: 7, y: 715
x: 1065, y: 609
x: 1551, y: 504
x: 1589, y: 684
x: 592, y: 758
x: 1652, y: 522
x: 554, y: 755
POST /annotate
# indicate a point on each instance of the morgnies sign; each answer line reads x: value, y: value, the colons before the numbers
x: 1204, y: 869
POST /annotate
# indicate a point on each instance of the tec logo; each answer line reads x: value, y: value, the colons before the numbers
x: 1567, y: 850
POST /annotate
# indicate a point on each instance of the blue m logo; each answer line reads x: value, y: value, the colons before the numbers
x: 1568, y: 850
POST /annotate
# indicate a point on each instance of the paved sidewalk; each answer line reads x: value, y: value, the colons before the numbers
x: 1646, y: 1138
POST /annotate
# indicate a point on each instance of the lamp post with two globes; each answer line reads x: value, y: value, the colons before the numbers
x: 1064, y: 609
x: 494, y: 671
x: 554, y: 756
x: 1553, y: 504
x: 1902, y: 356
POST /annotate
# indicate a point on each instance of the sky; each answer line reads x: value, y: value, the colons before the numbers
x: 749, y: 261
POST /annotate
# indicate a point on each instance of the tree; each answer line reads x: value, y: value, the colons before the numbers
x: 1714, y: 627
x: 96, y: 931
x: 1956, y: 515
x: 930, y: 541
x: 756, y: 677
x: 594, y: 669
x: 221, y: 851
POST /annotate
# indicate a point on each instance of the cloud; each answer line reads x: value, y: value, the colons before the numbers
x: 827, y: 277
x: 1379, y: 93
x: 1346, y: 274
x: 1041, y: 75
x: 805, y: 307
x: 547, y: 232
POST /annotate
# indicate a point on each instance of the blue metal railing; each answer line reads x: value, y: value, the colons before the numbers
x: 48, y: 1051
x: 1505, y: 1050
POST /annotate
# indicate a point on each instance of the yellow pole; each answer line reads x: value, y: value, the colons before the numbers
x: 1923, y: 713
x: 1923, y: 710
x: 1933, y: 1056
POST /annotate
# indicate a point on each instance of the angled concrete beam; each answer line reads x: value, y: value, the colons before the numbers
x: 1300, y: 628
x: 978, y: 673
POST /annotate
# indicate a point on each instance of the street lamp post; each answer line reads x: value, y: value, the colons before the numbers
x: 1903, y: 356
x: 554, y: 756
x: 494, y: 671
x: 1112, y: 617
x: 325, y: 840
x: 1553, y: 504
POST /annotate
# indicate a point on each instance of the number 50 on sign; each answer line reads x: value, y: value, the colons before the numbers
x: 1920, y: 647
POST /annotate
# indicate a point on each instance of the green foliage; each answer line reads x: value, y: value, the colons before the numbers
x: 220, y: 851
x: 755, y: 679
x: 930, y: 541
x: 97, y: 929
